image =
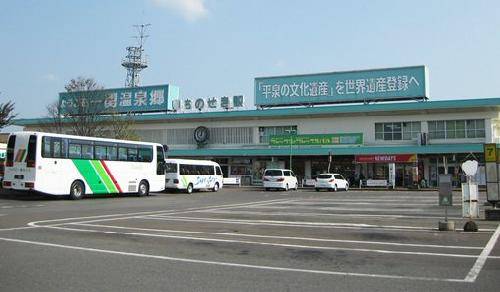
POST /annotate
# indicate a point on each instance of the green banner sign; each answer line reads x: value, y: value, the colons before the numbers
x: 317, y: 139
x: 343, y: 87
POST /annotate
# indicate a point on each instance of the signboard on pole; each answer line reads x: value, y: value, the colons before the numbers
x: 490, y: 152
x: 492, y: 168
x: 401, y: 83
x: 445, y: 193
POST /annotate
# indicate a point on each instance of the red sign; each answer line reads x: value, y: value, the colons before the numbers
x: 386, y: 158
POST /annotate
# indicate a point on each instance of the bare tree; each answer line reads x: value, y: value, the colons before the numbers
x: 121, y: 127
x: 54, y: 113
x: 81, y: 83
x: 84, y: 115
x: 6, y: 114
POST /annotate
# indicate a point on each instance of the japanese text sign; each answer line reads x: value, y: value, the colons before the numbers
x: 341, y: 87
x: 119, y: 100
x: 208, y: 104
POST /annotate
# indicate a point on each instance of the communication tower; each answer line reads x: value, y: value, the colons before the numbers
x: 135, y: 61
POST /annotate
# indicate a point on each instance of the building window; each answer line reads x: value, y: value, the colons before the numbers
x: 266, y: 132
x: 233, y: 135
x: 456, y: 129
x: 397, y: 131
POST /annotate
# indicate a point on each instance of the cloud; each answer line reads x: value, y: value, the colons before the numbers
x: 50, y: 77
x: 191, y: 10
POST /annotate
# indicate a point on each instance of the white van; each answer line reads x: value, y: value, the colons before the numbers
x: 189, y: 175
x: 283, y: 179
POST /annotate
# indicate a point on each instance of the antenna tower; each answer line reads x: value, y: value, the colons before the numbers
x: 135, y: 61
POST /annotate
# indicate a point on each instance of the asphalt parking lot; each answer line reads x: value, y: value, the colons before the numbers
x: 244, y: 239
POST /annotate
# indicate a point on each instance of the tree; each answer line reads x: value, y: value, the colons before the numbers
x: 6, y: 114
x: 83, y: 84
x: 85, y: 115
x: 54, y: 113
x: 121, y: 127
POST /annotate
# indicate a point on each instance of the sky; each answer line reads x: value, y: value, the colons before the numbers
x: 217, y: 47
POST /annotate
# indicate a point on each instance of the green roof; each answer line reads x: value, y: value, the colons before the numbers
x: 463, y: 104
x: 351, y: 150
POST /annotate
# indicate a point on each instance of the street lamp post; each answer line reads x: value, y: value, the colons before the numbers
x: 290, y: 133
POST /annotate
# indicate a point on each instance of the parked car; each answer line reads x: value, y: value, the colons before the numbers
x: 331, y: 181
x: 283, y: 179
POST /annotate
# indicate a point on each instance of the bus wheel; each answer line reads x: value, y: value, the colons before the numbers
x: 216, y: 187
x: 143, y: 189
x: 77, y: 190
x: 189, y: 189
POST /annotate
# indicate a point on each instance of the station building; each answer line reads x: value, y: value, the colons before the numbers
x: 415, y: 140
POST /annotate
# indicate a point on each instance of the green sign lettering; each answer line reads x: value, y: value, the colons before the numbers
x: 317, y: 139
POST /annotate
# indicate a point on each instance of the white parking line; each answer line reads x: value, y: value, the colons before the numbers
x: 288, y: 223
x: 283, y: 237
x: 228, y: 264
x: 382, y: 251
x: 309, y: 214
x: 301, y: 203
x: 338, y: 225
x: 347, y: 209
x: 17, y: 228
x: 481, y: 260
x: 133, y: 214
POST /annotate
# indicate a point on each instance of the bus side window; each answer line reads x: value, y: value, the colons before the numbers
x: 53, y: 147
x: 87, y: 151
x: 145, y: 154
x: 182, y: 169
x: 132, y: 154
x: 112, y: 153
x: 209, y: 170
x: 218, y: 171
x: 99, y: 152
x: 75, y: 151
x: 122, y: 153
x: 58, y: 148
x: 46, y: 147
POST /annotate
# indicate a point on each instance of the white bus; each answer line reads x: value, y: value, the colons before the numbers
x: 73, y: 165
x: 189, y: 175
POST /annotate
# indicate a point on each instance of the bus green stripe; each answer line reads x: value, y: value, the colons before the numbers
x: 90, y: 176
x: 104, y: 176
